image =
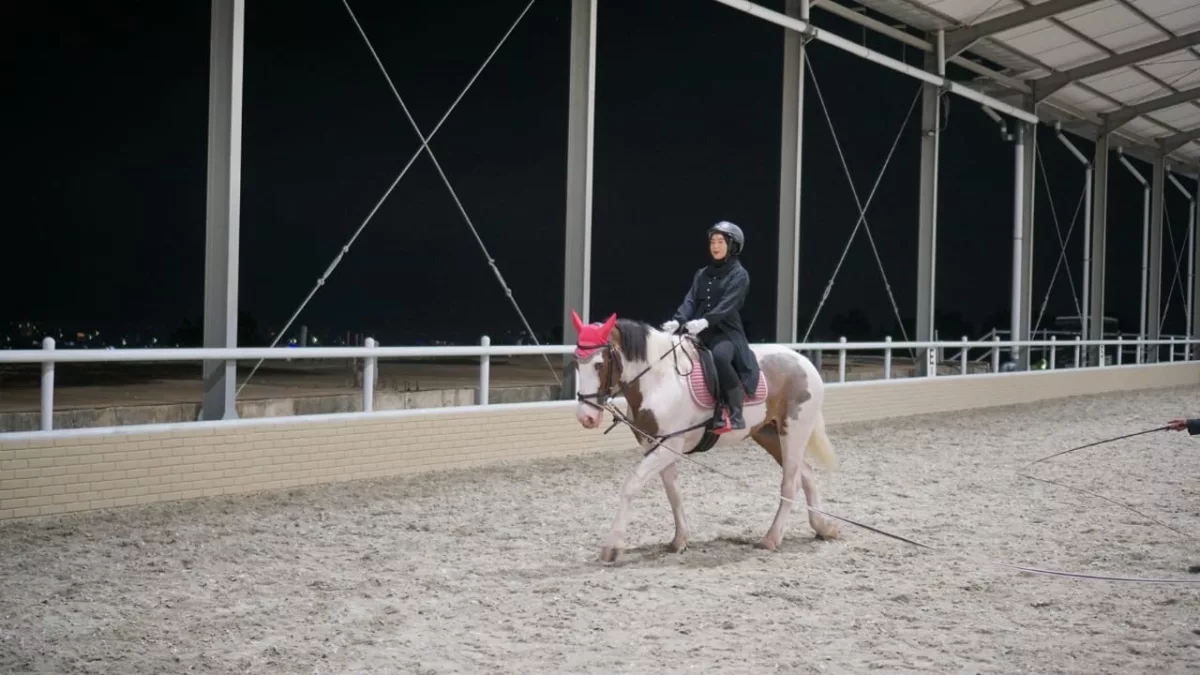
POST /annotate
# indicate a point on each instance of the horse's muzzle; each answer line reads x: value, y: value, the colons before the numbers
x: 589, y: 417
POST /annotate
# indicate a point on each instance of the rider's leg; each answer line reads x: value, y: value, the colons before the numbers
x: 723, y: 353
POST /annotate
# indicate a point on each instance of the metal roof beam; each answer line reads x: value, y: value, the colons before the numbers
x: 1083, y: 123
x: 1121, y: 116
x: 962, y: 38
x: 1144, y: 149
x: 1173, y: 143
x: 1045, y: 86
x: 852, y: 47
x: 882, y: 28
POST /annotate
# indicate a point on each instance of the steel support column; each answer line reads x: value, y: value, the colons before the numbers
x: 1088, y: 185
x: 1025, y: 158
x: 1145, y: 248
x: 1195, y: 252
x: 791, y: 158
x: 223, y: 223
x: 1095, y: 327
x: 1158, y: 181
x: 577, y: 267
x: 927, y: 209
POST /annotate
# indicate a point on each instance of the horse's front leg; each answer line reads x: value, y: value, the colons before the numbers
x: 651, y: 465
x: 670, y: 477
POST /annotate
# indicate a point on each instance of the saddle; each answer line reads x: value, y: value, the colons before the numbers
x: 705, y: 387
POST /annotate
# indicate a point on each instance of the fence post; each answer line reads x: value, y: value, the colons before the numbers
x: 48, y: 386
x: 995, y: 352
x: 369, y: 365
x: 1077, y: 340
x: 887, y: 358
x: 485, y: 371
x: 1172, y: 348
x: 1053, y: 350
x: 1120, y: 349
x: 842, y: 360
x: 963, y: 355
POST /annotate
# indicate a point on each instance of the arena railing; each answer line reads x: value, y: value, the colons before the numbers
x: 1026, y: 355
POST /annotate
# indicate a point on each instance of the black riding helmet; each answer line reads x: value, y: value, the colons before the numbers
x: 733, y: 235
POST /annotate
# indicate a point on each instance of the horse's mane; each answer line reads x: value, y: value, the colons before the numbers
x: 636, y: 340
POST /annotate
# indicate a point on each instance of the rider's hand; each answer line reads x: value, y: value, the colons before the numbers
x: 1177, y: 425
x: 696, y: 325
x: 670, y: 326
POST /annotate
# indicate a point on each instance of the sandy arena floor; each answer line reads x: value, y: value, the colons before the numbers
x: 494, y: 570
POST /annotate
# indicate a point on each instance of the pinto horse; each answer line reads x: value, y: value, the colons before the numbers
x: 670, y: 413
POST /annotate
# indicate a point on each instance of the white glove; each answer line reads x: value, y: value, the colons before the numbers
x: 696, y: 325
x: 670, y: 326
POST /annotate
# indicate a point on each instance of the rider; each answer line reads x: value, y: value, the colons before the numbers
x: 710, y: 312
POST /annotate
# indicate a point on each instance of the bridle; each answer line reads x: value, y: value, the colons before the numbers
x: 604, y: 393
x: 612, y: 374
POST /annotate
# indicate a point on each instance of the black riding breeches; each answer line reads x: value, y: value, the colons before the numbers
x: 723, y: 351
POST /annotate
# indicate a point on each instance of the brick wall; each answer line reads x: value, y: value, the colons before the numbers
x: 78, y: 470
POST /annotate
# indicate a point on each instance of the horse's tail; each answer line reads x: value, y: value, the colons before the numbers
x: 819, y: 446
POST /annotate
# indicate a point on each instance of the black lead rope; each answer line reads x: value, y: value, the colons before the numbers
x: 619, y: 417
x: 1095, y: 443
x: 1022, y: 472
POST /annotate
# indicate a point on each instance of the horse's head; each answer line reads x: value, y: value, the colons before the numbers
x: 598, y: 372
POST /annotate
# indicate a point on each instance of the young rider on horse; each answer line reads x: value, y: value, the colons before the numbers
x: 710, y: 311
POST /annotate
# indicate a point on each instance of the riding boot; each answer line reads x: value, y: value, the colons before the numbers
x: 734, y: 397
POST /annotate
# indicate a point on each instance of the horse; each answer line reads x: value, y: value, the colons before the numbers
x: 671, y: 412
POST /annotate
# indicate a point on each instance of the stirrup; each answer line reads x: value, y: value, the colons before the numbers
x: 719, y: 424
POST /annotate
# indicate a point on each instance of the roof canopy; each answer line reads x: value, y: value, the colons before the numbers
x: 1133, y: 65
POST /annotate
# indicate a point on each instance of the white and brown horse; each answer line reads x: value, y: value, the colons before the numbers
x: 669, y: 411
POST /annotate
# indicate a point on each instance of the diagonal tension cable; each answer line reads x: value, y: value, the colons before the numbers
x: 370, y: 215
x: 425, y: 145
x: 1178, y: 280
x: 862, y: 208
x: 1062, y: 243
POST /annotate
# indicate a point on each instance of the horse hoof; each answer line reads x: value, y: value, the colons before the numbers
x: 767, y: 544
x: 677, y: 546
x: 829, y: 532
x: 609, y: 554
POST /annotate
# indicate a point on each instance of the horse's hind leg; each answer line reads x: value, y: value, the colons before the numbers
x: 824, y: 527
x: 796, y: 473
x: 777, y: 445
x: 818, y: 447
x: 670, y: 476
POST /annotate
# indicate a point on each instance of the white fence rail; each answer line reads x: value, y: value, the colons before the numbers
x: 1048, y: 350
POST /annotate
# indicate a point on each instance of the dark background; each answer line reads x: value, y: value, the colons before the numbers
x: 107, y: 140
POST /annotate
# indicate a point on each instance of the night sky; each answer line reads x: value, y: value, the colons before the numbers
x: 107, y: 154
